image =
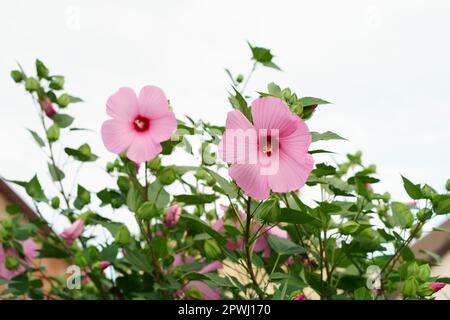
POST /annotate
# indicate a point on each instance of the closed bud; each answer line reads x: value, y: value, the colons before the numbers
x: 167, y: 175
x: 11, y: 263
x: 424, y: 272
x: 17, y: 76
x: 424, y: 214
x: 212, y: 249
x: 154, y: 164
x: 122, y: 235
x: 55, y: 202
x: 410, y: 287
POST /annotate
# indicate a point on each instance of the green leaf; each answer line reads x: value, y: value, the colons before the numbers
x: 148, y: 210
x: 260, y: 54
x: 227, y: 187
x: 238, y: 102
x: 413, y: 190
x: 55, y: 172
x: 284, y: 246
x: 109, y: 253
x: 311, y: 101
x: 135, y: 197
x: 268, y: 211
x: 402, y: 216
x: 191, y: 199
x: 37, y: 138
x: 83, y: 153
x: 139, y: 260
x: 62, y: 120
x: 34, y: 190
x: 157, y: 194
x: 206, y: 228
x: 328, y: 135
x: 323, y: 169
x: 50, y: 250
x: 349, y: 227
x: 83, y: 197
x: 362, y: 294
x: 441, y: 203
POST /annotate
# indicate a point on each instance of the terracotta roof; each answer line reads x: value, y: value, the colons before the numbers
x: 13, y: 197
x: 436, y: 241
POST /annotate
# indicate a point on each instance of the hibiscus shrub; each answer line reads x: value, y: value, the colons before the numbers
x: 201, y: 234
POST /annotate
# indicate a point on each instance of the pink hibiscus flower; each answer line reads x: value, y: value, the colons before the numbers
x: 138, y: 124
x: 270, y: 154
x: 30, y: 251
x: 73, y: 232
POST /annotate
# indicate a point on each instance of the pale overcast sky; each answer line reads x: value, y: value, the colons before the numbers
x: 384, y: 64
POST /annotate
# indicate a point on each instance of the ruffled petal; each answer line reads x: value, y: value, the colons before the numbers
x: 297, y: 143
x: 123, y: 105
x: 117, y: 135
x: 143, y: 148
x: 273, y: 114
x: 291, y: 174
x: 152, y: 102
x: 162, y: 128
x: 239, y: 143
x: 249, y: 178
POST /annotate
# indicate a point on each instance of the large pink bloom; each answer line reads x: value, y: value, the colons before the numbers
x: 30, y: 249
x: 270, y: 154
x: 138, y: 124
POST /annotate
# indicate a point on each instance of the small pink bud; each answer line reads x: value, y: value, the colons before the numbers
x: 368, y: 186
x: 300, y: 296
x: 172, y: 216
x: 73, y: 232
x: 436, y: 286
x: 47, y: 107
x: 411, y: 203
x: 104, y: 264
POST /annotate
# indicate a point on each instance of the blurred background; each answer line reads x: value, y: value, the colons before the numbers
x: 383, y: 64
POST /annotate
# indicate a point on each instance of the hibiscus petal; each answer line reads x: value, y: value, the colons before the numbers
x: 162, y: 128
x: 249, y: 178
x: 152, y: 102
x: 291, y: 174
x: 143, y: 148
x: 239, y: 143
x: 117, y: 135
x: 123, y: 105
x: 273, y: 113
x: 297, y: 143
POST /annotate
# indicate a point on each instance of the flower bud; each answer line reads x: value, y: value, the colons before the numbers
x: 300, y: 296
x: 47, y: 107
x: 172, y: 216
x: 122, y: 235
x: 437, y: 286
x: 410, y: 288
x: 11, y: 263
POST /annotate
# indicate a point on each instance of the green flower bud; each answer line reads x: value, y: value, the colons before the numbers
x: 424, y: 272
x: 447, y: 185
x: 147, y: 211
x: 349, y: 227
x: 53, y: 133
x: 17, y: 76
x: 122, y: 235
x: 194, y: 293
x: 55, y: 202
x: 31, y: 84
x: 167, y: 175
x: 80, y: 260
x: 212, y: 249
x: 410, y: 287
x: 11, y: 263
x: 154, y: 164
x: 239, y: 78
x: 424, y: 214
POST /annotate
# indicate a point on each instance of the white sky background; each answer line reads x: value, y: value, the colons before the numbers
x: 384, y: 64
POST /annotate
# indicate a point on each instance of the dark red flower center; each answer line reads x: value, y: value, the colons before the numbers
x: 269, y: 145
x: 141, y: 123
